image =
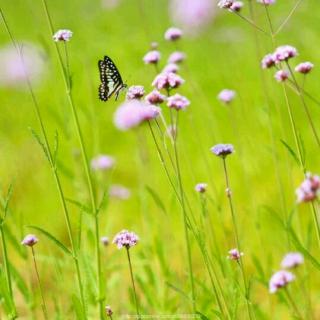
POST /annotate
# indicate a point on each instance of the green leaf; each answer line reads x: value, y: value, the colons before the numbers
x: 41, y: 144
x: 170, y: 285
x: 78, y: 308
x: 52, y: 238
x: 80, y: 205
x: 203, y: 317
x: 55, y: 147
x: 291, y: 152
x: 156, y: 199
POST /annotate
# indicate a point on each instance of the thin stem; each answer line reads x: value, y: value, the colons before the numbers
x: 133, y: 284
x: 252, y: 23
x: 293, y: 304
x: 316, y: 220
x: 184, y: 217
x: 66, y: 76
x: 44, y: 308
x: 52, y: 164
x: 236, y: 235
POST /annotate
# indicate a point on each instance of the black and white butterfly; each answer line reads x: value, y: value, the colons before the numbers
x: 111, y: 81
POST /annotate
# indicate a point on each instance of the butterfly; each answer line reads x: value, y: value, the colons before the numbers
x: 111, y: 81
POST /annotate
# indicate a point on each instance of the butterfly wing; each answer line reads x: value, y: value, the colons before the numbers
x: 111, y: 81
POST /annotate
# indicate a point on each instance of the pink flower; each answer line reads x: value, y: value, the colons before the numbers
x: 119, y: 192
x: 281, y: 75
x: 135, y: 92
x: 167, y: 81
x: 109, y: 311
x: 178, y: 102
x: 132, y: 113
x: 226, y: 95
x: 279, y: 280
x: 225, y: 4
x: 104, y: 241
x: 171, y: 67
x: 29, y: 240
x: 62, y: 35
x: 236, y: 6
x: 173, y: 34
x: 125, y: 239
x: 176, y: 57
x: 234, y: 254
x: 304, y: 67
x: 267, y: 2
x: 284, y: 53
x: 222, y: 150
x: 152, y: 57
x: 102, y: 162
x: 193, y: 15
x: 155, y: 97
x: 201, y: 187
x: 267, y: 61
x: 292, y: 260
x: 309, y: 188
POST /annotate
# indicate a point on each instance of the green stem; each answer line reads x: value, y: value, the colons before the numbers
x: 133, y: 284
x: 293, y: 304
x: 66, y: 78
x: 44, y: 308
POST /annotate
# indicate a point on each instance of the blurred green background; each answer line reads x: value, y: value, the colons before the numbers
x: 226, y: 53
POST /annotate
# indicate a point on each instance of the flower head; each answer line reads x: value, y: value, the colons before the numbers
x: 226, y: 95
x: 109, y: 311
x: 222, y: 150
x: 234, y: 254
x: 284, y: 53
x: 135, y: 92
x: 29, y: 240
x: 132, y: 113
x: 225, y: 4
x: 176, y: 57
x: 171, y: 67
x: 62, y: 35
x: 102, y: 162
x: 309, y: 189
x: 152, y: 57
x: 104, y: 241
x: 266, y: 2
x: 267, y: 61
x: 279, y: 280
x: 167, y: 81
x: 236, y: 6
x: 126, y: 239
x: 292, y: 260
x: 281, y: 75
x: 173, y: 34
x: 178, y: 102
x: 119, y: 192
x: 155, y: 97
x: 201, y: 187
x: 304, y: 67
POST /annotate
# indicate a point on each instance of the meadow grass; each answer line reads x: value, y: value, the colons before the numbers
x: 210, y: 228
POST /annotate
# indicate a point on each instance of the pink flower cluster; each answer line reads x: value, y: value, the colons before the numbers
x: 167, y: 81
x: 279, y: 280
x: 304, y: 67
x: 267, y: 2
x: 292, y: 260
x: 226, y: 95
x: 152, y: 57
x: 309, y: 189
x: 102, y: 162
x: 29, y: 240
x: 62, y: 35
x: 177, y: 102
x: 155, y: 97
x: 201, y: 187
x: 173, y: 34
x: 222, y: 150
x: 234, y: 254
x: 125, y: 239
x: 282, y: 53
x: 135, y: 92
x: 231, y: 5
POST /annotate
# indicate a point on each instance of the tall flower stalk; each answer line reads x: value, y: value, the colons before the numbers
x: 66, y: 78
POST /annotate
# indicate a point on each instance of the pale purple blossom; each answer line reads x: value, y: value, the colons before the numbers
x: 119, y: 192
x: 135, y: 92
x: 102, y: 162
x: 155, y: 97
x: 222, y: 150
x: 152, y: 57
x: 109, y: 311
x: 62, y: 35
x: 167, y: 81
x: 105, y: 241
x: 281, y: 75
x: 279, y: 280
x: 193, y: 15
x: 267, y: 2
x: 267, y: 61
x: 284, y: 53
x: 29, y: 240
x: 292, y: 260
x: 125, y: 239
x: 171, y: 67
x: 177, y: 102
x: 201, y: 187
x: 226, y: 95
x: 304, y: 67
x: 176, y: 57
x: 309, y: 189
x: 173, y: 34
x: 225, y: 4
x: 234, y: 254
x: 132, y: 113
x: 236, y: 6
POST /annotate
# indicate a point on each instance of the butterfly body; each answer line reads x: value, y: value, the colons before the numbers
x: 111, y: 81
